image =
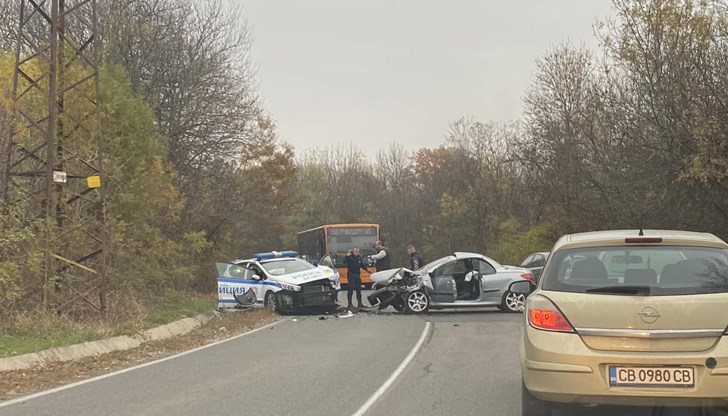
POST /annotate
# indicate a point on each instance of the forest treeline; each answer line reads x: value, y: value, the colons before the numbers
x: 631, y: 135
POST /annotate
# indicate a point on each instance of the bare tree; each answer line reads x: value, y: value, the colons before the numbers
x: 8, y: 24
x: 191, y: 61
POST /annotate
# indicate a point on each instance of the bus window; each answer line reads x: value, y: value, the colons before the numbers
x: 336, y: 240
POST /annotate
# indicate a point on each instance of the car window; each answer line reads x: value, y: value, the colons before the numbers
x: 239, y: 272
x: 447, y: 269
x: 667, y: 270
x: 232, y: 271
x: 326, y: 261
x: 485, y: 268
x: 538, y: 261
x: 253, y: 269
x: 527, y: 262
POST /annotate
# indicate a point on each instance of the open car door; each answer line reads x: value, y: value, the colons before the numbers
x: 236, y: 288
x: 444, y: 288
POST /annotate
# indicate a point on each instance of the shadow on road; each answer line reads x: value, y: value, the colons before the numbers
x: 639, y: 411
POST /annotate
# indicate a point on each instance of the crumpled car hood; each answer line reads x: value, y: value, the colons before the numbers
x: 386, y: 276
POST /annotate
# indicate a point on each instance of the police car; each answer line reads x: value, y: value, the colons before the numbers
x: 277, y: 280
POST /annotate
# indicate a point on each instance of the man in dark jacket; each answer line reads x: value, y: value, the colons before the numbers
x: 354, y: 264
x: 383, y: 256
x: 416, y: 260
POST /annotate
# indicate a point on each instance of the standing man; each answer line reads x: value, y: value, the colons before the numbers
x: 383, y: 256
x: 416, y: 260
x: 354, y: 263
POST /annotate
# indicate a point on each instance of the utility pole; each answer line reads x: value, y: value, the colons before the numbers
x: 53, y: 169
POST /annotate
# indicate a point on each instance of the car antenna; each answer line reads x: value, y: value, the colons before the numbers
x: 641, y: 233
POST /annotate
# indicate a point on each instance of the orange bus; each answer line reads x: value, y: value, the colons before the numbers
x: 335, y: 240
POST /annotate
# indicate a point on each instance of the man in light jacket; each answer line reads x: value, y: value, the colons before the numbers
x: 383, y: 256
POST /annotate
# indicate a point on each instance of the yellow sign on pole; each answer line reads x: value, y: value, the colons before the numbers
x: 93, y: 181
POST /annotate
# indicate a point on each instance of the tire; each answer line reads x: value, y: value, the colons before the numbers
x: 416, y: 302
x: 531, y: 405
x: 398, y: 304
x: 512, y: 302
x: 271, y: 302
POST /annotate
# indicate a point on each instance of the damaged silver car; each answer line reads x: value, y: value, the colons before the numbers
x: 460, y: 280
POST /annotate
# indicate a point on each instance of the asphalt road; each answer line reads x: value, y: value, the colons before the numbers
x: 466, y: 363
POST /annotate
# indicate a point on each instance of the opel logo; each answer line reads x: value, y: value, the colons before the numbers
x: 649, y: 315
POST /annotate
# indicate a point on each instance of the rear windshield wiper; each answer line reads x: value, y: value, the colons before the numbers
x: 622, y: 289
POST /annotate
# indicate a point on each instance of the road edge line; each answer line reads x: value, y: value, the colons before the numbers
x: 393, y: 377
x: 126, y: 370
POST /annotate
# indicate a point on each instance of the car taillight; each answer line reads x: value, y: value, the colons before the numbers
x: 529, y: 276
x: 544, y: 315
x: 643, y: 240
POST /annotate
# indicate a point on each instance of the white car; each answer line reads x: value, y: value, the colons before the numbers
x: 277, y: 280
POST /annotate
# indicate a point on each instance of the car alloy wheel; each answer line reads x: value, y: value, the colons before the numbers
x: 417, y: 302
x: 271, y: 302
x: 513, y: 302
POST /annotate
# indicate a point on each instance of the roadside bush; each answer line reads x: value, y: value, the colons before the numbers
x: 517, y: 242
x: 21, y: 259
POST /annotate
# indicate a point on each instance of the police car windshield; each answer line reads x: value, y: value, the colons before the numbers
x: 286, y: 266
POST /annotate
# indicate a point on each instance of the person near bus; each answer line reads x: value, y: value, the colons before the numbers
x: 383, y: 256
x: 416, y: 260
x: 354, y: 265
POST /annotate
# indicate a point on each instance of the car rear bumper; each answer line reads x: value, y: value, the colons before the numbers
x: 559, y: 367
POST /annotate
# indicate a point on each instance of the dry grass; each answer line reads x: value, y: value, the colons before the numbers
x: 22, y: 333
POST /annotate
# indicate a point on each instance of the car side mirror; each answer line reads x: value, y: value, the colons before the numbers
x: 256, y: 277
x: 522, y: 287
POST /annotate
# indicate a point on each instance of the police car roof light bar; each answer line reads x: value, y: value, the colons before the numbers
x: 274, y: 254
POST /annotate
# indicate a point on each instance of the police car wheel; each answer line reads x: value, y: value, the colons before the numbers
x: 271, y: 302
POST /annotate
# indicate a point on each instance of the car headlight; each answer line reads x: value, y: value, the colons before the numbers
x: 288, y: 286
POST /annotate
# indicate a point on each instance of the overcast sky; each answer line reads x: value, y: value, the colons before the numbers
x: 373, y: 72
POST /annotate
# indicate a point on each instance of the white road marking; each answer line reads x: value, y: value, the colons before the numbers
x: 392, y: 378
x: 126, y: 370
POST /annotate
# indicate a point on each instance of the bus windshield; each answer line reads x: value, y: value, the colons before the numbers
x: 336, y: 240
x: 342, y: 239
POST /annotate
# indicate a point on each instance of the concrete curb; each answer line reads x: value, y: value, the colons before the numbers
x: 103, y: 346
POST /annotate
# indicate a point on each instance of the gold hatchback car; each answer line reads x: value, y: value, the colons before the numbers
x: 628, y: 317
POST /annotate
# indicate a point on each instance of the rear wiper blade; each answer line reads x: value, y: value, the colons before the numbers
x: 622, y: 289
